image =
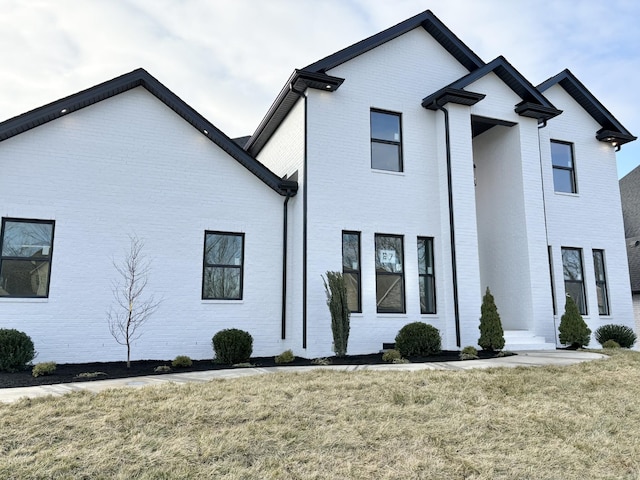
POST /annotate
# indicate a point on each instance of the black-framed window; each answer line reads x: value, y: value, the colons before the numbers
x: 222, y: 276
x: 573, y: 277
x: 389, y: 274
x: 553, y: 292
x: 351, y: 269
x: 426, y: 275
x: 386, y: 141
x: 26, y: 247
x: 564, y: 175
x: 601, y: 282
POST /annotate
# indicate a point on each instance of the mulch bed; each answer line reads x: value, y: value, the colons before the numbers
x: 69, y: 372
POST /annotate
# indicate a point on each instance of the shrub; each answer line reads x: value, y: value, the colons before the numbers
x: 321, y: 361
x: 469, y: 353
x: 623, y: 336
x: 181, y: 361
x: 162, y: 369
x: 232, y: 346
x: 338, y: 307
x: 44, y: 368
x: 610, y: 344
x: 491, y: 333
x: 418, y: 338
x: 390, y: 356
x: 573, y: 329
x: 400, y: 360
x: 285, y: 357
x: 16, y: 350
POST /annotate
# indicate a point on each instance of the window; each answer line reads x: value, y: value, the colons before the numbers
x: 564, y: 179
x: 351, y: 269
x: 601, y: 282
x: 25, y: 260
x: 223, y: 260
x: 426, y: 275
x: 573, y: 281
x: 389, y: 274
x: 386, y: 142
x: 553, y: 293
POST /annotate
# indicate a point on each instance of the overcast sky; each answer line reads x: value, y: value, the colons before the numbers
x: 228, y: 59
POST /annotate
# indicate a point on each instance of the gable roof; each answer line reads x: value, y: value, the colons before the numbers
x: 141, y: 78
x: 612, y: 129
x: 534, y: 104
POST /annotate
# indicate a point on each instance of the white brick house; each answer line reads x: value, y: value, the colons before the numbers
x: 422, y: 172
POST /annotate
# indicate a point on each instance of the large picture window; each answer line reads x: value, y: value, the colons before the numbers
x: 223, y: 261
x: 386, y: 141
x: 601, y: 282
x: 573, y: 277
x: 25, y: 261
x: 564, y: 178
x: 351, y: 269
x: 389, y: 274
x: 426, y: 275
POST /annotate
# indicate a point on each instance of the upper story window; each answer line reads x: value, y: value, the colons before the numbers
x: 223, y: 260
x: 351, y: 269
x: 573, y: 278
x: 389, y: 274
x: 386, y: 141
x: 564, y: 177
x: 25, y: 257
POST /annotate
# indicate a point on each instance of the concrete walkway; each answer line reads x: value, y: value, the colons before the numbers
x: 522, y: 359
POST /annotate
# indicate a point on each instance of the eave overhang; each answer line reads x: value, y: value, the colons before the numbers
x: 540, y: 112
x: 451, y: 95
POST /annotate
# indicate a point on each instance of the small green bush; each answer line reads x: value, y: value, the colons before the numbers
x: 162, y: 369
x: 16, y: 350
x: 610, y: 344
x: 573, y: 329
x: 491, y: 332
x: 285, y: 357
x: 418, y: 338
x: 44, y: 368
x: 623, y: 336
x: 232, y: 346
x: 390, y: 356
x: 181, y: 361
x: 469, y: 353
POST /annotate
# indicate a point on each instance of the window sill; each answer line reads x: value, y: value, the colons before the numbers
x: 23, y: 300
x: 388, y: 172
x: 223, y: 302
x: 391, y: 315
x: 567, y: 194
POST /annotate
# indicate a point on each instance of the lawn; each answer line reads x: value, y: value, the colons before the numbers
x: 535, y: 423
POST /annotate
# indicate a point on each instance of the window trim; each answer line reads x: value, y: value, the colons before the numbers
x: 571, y: 170
x: 601, y: 283
x: 401, y: 274
x: 427, y: 275
x: 352, y: 271
x: 206, y: 265
x: 386, y: 142
x: 581, y: 282
x: 26, y: 259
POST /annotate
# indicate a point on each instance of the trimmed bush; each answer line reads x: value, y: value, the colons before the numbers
x: 491, y: 333
x: 469, y: 353
x: 16, y: 350
x: 610, y: 344
x: 418, y: 338
x: 181, y: 361
x: 162, y: 369
x: 573, y: 329
x: 623, y: 336
x: 285, y: 357
x: 44, y: 368
x: 336, y: 291
x: 232, y: 346
x: 390, y: 356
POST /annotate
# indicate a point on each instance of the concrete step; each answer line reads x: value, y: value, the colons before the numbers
x: 518, y: 340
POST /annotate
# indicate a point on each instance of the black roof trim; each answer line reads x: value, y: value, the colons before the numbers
x: 589, y: 103
x: 533, y: 110
x: 298, y: 82
x: 142, y: 78
x: 451, y: 95
x: 427, y: 20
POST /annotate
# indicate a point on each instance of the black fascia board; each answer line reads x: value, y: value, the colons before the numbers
x: 451, y: 95
x: 426, y: 20
x: 297, y: 83
x: 576, y: 89
x: 539, y: 112
x: 128, y: 81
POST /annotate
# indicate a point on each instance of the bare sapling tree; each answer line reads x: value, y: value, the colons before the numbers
x: 132, y: 306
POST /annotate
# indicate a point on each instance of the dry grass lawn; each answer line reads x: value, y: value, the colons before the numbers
x: 535, y: 423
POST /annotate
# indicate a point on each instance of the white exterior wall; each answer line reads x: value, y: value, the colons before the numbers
x: 130, y: 166
x: 590, y: 219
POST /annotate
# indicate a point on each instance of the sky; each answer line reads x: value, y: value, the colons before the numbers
x: 228, y: 59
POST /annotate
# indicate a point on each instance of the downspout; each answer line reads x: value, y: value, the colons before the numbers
x: 284, y: 267
x: 454, y: 269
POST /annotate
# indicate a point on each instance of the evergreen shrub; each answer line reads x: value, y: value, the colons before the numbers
x: 491, y: 332
x: 181, y: 361
x: 418, y: 338
x: 16, y: 350
x: 573, y: 329
x: 624, y: 336
x: 232, y: 346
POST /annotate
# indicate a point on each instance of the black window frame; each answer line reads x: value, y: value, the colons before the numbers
x: 357, y: 272
x: 601, y: 285
x: 583, y: 300
x: 206, y: 265
x: 553, y: 291
x: 571, y: 170
x: 13, y: 258
x: 375, y: 140
x: 426, y: 276
x: 381, y: 273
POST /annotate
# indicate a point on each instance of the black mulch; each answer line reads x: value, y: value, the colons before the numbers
x: 69, y: 372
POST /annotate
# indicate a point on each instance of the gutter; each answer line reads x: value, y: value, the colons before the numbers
x: 283, y: 327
